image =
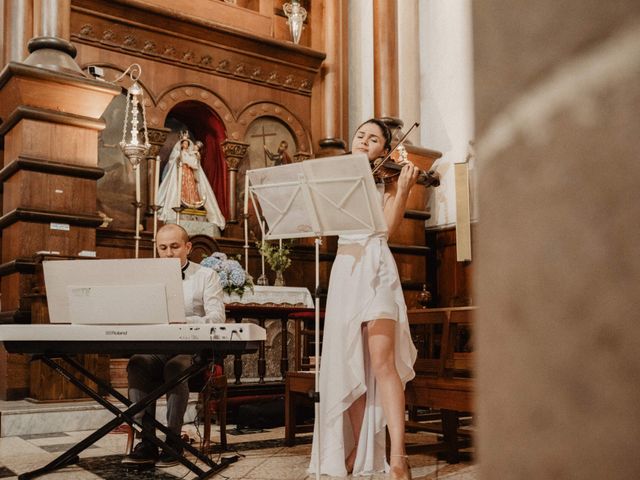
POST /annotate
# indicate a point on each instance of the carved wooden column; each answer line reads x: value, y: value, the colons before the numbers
x: 334, y: 86
x: 50, y: 115
x: 234, y: 152
x: 157, y: 137
x: 50, y: 48
x: 17, y: 28
x: 385, y: 59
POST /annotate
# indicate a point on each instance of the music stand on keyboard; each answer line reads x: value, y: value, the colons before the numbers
x: 315, y: 198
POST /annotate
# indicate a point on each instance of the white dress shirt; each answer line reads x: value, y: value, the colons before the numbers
x: 202, y: 295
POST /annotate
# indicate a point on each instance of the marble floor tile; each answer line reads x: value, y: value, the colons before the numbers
x: 16, y: 446
x: 37, y: 436
x: 283, y: 468
x: 7, y: 473
x: 263, y: 456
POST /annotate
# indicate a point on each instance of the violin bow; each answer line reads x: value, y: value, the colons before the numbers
x: 400, y: 142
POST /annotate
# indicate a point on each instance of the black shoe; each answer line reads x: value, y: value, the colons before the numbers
x: 168, y: 460
x: 143, y: 453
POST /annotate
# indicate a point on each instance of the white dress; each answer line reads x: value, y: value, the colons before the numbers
x: 168, y: 196
x: 364, y: 285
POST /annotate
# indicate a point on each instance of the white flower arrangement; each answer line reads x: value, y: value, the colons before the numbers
x: 232, y: 276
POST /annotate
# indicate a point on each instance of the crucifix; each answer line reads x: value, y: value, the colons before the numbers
x: 264, y: 143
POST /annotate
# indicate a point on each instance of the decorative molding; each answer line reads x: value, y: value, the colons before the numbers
x: 14, y: 69
x: 18, y: 265
x: 157, y: 137
x: 177, y: 94
x: 301, y: 156
x: 44, y: 216
x: 232, y: 54
x: 234, y: 150
x: 41, y: 165
x: 32, y: 113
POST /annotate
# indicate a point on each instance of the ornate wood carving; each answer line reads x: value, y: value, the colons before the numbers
x: 210, y: 48
x: 234, y: 152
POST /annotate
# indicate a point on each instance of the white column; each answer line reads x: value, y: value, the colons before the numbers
x: 446, y: 95
x: 360, y: 64
x: 409, y: 61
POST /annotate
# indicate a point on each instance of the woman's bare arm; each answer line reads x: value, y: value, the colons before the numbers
x: 396, y: 195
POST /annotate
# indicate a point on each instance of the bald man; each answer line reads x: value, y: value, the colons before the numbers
x: 203, y: 304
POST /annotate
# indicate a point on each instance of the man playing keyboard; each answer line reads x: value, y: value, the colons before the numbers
x: 203, y: 304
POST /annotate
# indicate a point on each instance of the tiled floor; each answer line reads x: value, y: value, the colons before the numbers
x: 263, y: 456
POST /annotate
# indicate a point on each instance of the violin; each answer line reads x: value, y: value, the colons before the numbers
x: 386, y: 170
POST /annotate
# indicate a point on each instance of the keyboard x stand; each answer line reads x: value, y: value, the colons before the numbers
x: 201, y: 362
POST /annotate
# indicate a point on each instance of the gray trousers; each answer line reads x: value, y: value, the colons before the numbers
x: 146, y: 373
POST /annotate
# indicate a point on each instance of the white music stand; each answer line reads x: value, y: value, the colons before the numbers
x: 315, y: 198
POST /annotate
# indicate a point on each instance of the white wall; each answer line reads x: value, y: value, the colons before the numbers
x: 435, y: 66
x: 446, y: 95
x: 360, y: 64
x: 409, y: 64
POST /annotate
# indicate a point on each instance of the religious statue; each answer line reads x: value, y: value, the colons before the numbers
x: 281, y: 157
x: 185, y: 185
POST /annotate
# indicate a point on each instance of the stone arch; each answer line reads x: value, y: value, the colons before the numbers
x: 271, y: 109
x: 185, y: 92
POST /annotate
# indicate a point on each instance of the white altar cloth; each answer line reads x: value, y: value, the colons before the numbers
x: 261, y: 295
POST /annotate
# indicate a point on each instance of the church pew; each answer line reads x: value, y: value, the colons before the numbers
x: 443, y: 380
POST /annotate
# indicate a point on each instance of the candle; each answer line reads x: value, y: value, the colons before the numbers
x: 156, y: 180
x: 246, y: 194
x: 246, y: 222
x: 246, y: 243
x: 137, y: 169
x: 262, y: 254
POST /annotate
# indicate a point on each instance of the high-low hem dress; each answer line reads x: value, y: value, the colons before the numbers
x: 364, y: 286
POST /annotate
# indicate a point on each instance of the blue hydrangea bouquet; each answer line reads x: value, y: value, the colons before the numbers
x: 232, y: 276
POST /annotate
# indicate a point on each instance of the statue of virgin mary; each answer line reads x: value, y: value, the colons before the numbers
x: 185, y: 184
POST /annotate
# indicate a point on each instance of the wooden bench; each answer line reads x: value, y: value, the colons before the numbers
x: 443, y: 372
x: 298, y: 385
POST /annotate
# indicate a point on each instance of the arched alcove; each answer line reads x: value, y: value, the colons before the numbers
x: 204, y: 124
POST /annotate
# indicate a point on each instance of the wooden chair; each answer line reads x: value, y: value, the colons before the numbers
x: 300, y: 384
x: 212, y: 399
x: 443, y: 379
x: 212, y: 389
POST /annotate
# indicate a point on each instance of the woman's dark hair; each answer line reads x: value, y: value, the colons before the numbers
x: 386, y: 133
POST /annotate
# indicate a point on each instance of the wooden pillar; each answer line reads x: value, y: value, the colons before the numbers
x: 52, y: 18
x: 334, y: 76
x: 234, y: 152
x: 50, y: 48
x: 385, y: 58
x: 17, y: 28
x: 49, y: 133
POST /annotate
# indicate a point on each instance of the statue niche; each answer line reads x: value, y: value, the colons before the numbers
x: 193, y: 183
x: 185, y: 188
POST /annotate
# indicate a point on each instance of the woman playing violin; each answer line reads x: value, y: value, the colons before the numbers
x: 367, y: 351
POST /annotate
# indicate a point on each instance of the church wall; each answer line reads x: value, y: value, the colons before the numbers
x: 558, y: 89
x: 240, y: 81
x: 241, y: 75
x: 446, y: 96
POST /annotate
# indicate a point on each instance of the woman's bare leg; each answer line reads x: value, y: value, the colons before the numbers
x: 381, y: 342
x: 356, y: 415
